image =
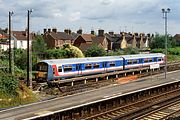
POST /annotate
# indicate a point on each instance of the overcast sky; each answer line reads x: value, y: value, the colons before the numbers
x: 110, y: 15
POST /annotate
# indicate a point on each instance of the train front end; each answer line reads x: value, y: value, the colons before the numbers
x: 41, y: 71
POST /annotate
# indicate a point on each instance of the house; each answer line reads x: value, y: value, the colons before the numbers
x: 84, y: 41
x: 177, y: 38
x: 18, y: 40
x: 55, y: 39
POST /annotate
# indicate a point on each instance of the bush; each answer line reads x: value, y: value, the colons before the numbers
x: 95, y: 51
x: 8, y: 84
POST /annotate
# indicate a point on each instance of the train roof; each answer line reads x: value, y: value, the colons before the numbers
x: 82, y: 60
x: 143, y: 55
x: 99, y: 59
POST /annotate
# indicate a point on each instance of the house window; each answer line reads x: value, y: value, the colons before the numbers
x: 21, y: 44
x: 67, y: 68
x: 88, y: 66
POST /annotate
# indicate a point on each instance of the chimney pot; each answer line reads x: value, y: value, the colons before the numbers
x: 54, y: 30
x: 100, y: 32
x: 49, y: 30
x: 45, y: 30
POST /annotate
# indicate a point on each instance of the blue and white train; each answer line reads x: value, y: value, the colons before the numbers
x: 55, y: 69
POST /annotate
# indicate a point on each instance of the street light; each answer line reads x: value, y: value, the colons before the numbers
x: 10, y: 56
x: 29, y: 81
x: 165, y: 12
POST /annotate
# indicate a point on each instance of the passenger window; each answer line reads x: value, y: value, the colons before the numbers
x: 111, y: 64
x: 150, y: 60
x: 59, y: 69
x: 67, y: 68
x: 88, y: 66
x: 129, y: 62
x: 141, y: 61
x: 135, y: 61
x: 96, y: 65
x: 159, y: 59
x: 53, y: 70
x: 146, y: 60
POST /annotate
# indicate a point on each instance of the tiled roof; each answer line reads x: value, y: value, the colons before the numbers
x: 98, y: 40
x: 87, y: 37
x: 20, y: 35
x: 61, y: 36
x: 177, y: 36
x: 84, y: 46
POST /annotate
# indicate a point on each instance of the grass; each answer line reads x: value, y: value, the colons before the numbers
x: 173, y: 57
x: 22, y: 96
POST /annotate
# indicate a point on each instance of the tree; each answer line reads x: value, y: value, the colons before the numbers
x: 159, y: 41
x: 38, y: 44
x: 95, y: 51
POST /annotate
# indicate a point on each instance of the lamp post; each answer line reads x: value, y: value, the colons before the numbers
x: 29, y: 81
x: 165, y: 12
x: 10, y: 56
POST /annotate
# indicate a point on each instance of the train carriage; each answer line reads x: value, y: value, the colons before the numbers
x: 67, y: 68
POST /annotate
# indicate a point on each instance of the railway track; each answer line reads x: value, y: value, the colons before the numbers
x: 137, y: 108
x: 162, y: 113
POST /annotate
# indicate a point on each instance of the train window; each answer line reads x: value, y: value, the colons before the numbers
x: 129, y: 62
x: 112, y: 64
x: 96, y: 65
x: 42, y: 67
x: 150, y: 59
x: 88, y: 66
x: 59, y: 69
x: 159, y: 59
x: 67, y: 68
x: 146, y: 60
x: 135, y: 61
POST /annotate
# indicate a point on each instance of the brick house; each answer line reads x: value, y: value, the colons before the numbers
x: 55, y: 39
x: 84, y: 41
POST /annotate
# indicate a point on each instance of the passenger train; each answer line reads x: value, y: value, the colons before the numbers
x: 55, y: 69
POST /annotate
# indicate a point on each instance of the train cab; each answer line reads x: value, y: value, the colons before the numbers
x: 41, y: 71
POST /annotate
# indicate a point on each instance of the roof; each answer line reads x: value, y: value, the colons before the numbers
x: 177, y: 36
x: 82, y: 60
x: 98, y: 40
x: 99, y: 59
x: 84, y: 46
x: 21, y: 35
x: 61, y: 36
x: 87, y: 37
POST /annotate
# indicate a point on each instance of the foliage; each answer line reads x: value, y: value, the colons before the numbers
x: 72, y: 51
x: 171, y: 51
x: 115, y: 53
x: 8, y: 84
x: 68, y: 51
x: 130, y: 50
x: 159, y: 42
x: 38, y: 44
x: 95, y: 51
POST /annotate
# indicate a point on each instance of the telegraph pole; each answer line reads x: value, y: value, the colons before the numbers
x: 10, y: 55
x: 165, y: 12
x: 29, y: 80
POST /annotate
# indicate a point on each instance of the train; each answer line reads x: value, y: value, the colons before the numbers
x: 61, y: 69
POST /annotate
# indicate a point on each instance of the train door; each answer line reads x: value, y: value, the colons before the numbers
x: 104, y: 65
x: 79, y: 69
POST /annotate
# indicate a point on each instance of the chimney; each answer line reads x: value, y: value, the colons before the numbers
x: 79, y: 31
x: 49, y: 30
x: 45, y: 30
x: 68, y: 31
x: 111, y: 33
x: 92, y: 32
x: 136, y: 34
x: 148, y: 35
x: 100, y: 32
x: 54, y: 30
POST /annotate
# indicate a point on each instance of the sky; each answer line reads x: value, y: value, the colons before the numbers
x: 111, y: 15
